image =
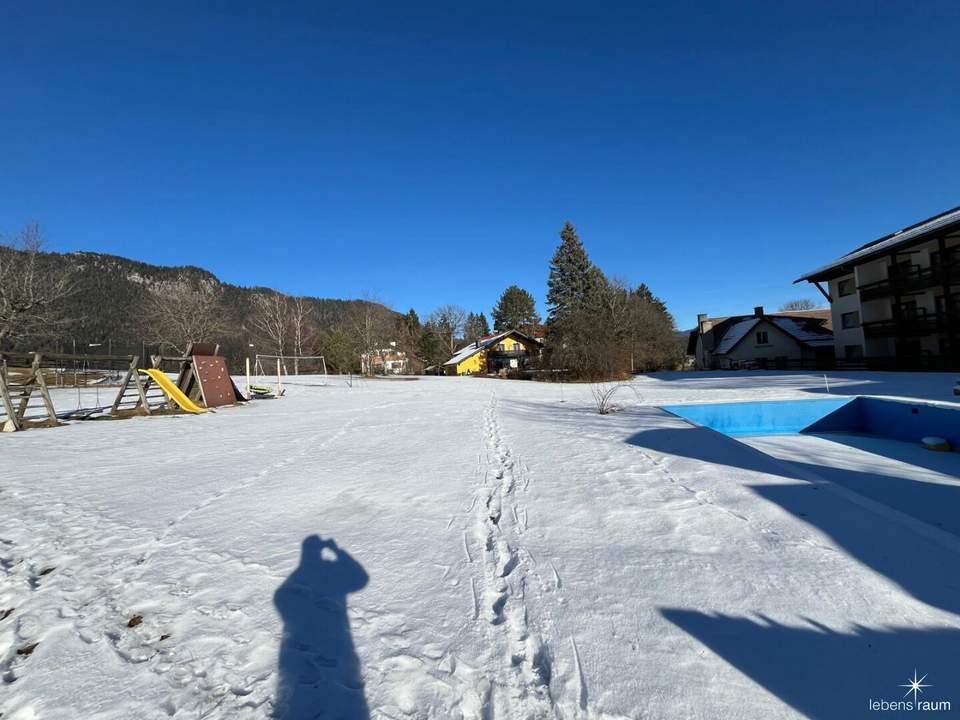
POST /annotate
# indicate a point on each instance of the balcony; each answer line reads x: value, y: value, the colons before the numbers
x: 915, y: 323
x: 915, y: 279
x: 507, y: 354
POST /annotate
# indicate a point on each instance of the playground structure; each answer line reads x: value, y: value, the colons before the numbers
x: 203, y: 382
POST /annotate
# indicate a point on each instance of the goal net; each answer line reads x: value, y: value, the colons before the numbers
x: 290, y: 365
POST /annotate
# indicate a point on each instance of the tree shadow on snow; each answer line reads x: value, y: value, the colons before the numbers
x: 319, y: 672
x: 821, y: 672
x: 935, y: 503
x: 826, y: 674
x: 915, y: 563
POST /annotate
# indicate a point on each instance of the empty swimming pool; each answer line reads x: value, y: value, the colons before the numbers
x: 896, y: 419
x: 868, y: 445
x: 758, y: 418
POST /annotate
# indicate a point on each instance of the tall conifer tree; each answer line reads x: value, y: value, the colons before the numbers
x: 516, y: 310
x: 571, y: 275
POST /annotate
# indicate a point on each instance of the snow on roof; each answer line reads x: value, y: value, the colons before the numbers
x: 821, y: 315
x: 817, y: 313
x: 887, y: 242
x: 809, y: 333
x: 463, y: 353
x: 735, y: 334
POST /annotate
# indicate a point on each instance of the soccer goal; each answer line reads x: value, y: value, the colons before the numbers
x: 279, y: 366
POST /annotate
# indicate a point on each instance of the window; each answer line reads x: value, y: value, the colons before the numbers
x: 853, y: 352
x: 850, y: 320
x: 846, y: 287
x: 908, y: 309
x: 762, y: 338
x: 901, y: 268
x: 909, y: 348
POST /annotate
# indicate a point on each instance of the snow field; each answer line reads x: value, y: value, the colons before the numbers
x: 523, y: 557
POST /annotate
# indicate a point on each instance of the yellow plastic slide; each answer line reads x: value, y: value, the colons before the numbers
x: 172, y: 391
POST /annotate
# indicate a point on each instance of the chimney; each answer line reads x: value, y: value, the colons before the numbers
x: 476, y: 343
x: 703, y: 323
x: 758, y: 311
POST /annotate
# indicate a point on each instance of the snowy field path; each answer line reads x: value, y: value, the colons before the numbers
x: 464, y: 548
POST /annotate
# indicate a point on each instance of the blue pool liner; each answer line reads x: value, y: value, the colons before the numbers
x: 897, y: 419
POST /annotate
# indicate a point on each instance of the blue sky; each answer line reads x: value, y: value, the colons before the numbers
x: 429, y: 153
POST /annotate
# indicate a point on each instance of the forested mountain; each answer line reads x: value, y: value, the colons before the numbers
x: 596, y: 328
x: 98, y: 302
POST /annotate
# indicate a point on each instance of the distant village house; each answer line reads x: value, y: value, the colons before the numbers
x: 783, y: 340
x: 511, y: 350
x: 386, y: 361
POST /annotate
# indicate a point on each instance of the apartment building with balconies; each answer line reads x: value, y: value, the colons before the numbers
x: 895, y: 302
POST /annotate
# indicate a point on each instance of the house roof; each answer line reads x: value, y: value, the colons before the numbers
x: 909, y: 235
x: 734, y: 334
x: 804, y: 329
x: 821, y: 315
x: 483, y: 343
x: 807, y: 327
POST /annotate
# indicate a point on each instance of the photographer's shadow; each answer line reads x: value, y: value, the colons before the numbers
x: 319, y: 672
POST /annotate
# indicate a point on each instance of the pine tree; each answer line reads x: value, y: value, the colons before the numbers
x: 516, y: 310
x: 483, y: 325
x: 338, y: 355
x: 475, y: 327
x: 412, y: 321
x: 430, y: 347
x: 571, y: 275
x: 408, y: 334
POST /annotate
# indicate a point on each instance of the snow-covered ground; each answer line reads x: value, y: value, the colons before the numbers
x: 473, y: 548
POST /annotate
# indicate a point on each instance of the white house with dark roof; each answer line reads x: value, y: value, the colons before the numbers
x: 895, y: 301
x: 801, y: 339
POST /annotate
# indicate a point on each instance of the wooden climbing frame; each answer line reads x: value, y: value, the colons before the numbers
x: 17, y: 392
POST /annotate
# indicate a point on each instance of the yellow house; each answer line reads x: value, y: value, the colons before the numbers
x: 510, y: 350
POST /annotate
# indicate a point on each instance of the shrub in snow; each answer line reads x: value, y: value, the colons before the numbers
x: 603, y: 395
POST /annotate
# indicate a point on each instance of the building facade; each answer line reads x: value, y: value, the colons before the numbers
x: 895, y: 302
x: 511, y: 350
x: 782, y: 341
x: 385, y: 361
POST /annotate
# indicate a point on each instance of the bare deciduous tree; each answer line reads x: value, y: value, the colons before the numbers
x: 270, y: 319
x: 448, y: 321
x: 182, y: 312
x: 33, y: 295
x: 798, y: 304
x: 368, y: 330
x: 303, y: 328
